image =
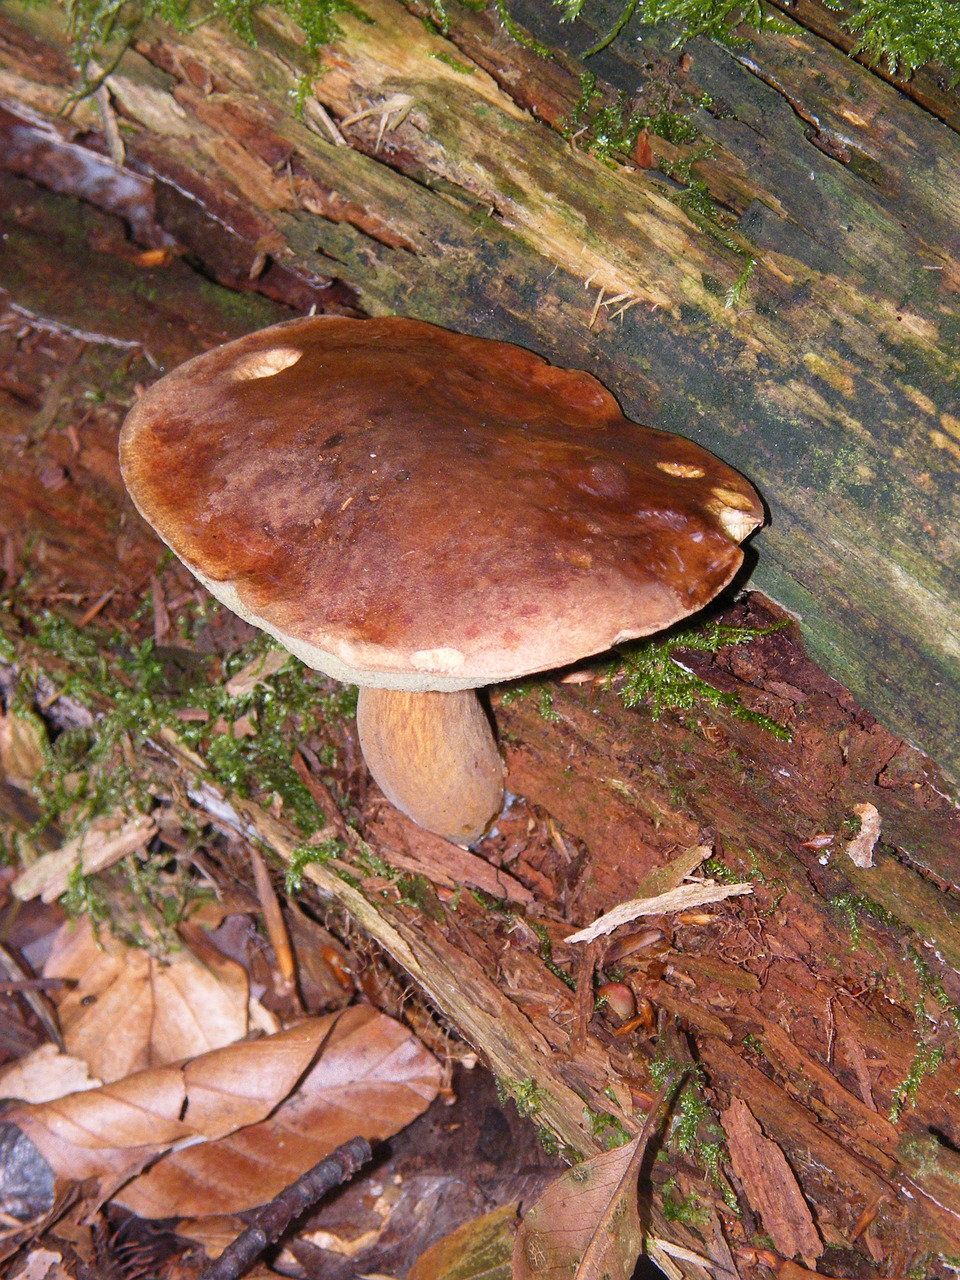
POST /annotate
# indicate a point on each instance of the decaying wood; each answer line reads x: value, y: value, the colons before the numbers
x: 831, y: 382
x: 826, y: 999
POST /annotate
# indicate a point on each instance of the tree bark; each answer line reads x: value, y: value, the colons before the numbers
x: 827, y: 1001
x: 831, y: 383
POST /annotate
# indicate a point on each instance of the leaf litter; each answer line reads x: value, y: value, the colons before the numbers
x: 236, y: 711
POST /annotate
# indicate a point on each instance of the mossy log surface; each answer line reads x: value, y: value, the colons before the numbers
x: 832, y: 381
x: 827, y: 1000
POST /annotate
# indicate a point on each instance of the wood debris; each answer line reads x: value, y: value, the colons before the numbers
x: 770, y: 1185
x: 682, y: 898
x: 860, y: 849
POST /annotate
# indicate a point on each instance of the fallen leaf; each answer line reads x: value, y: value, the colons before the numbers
x: 594, y: 1205
x: 22, y: 748
x: 42, y: 1264
x: 106, y: 841
x: 586, y: 1225
x: 114, y: 1130
x: 45, y: 1074
x: 129, y: 1011
x: 479, y: 1250
x: 255, y: 672
x: 371, y: 1080
x: 682, y: 898
x: 770, y: 1185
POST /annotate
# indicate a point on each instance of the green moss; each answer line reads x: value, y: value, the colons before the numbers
x: 679, y: 1208
x: 132, y: 693
x: 544, y: 699
x: 301, y: 858
x: 83, y: 898
x: 609, y: 128
x: 611, y: 1131
x: 101, y: 30
x: 464, y: 68
x: 901, y: 35
x: 907, y: 34
x: 546, y: 955
x: 927, y: 1060
x: 854, y: 905
x: 930, y: 985
x: 528, y: 1097
x: 653, y: 676
x: 734, y: 294
x: 691, y: 1111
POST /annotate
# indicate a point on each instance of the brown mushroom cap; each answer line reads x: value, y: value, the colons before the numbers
x: 407, y: 507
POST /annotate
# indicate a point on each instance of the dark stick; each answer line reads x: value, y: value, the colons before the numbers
x: 273, y: 1218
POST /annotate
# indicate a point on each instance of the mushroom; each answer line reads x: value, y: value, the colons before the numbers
x: 423, y: 513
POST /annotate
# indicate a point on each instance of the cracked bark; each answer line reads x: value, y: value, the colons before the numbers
x: 832, y: 385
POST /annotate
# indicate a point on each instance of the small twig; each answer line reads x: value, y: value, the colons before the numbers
x: 596, y: 308
x: 19, y: 986
x: 316, y: 115
x: 95, y: 608
x: 111, y: 130
x: 285, y: 982
x: 274, y: 1218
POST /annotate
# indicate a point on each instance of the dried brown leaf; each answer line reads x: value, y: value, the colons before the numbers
x: 45, y: 1074
x: 111, y: 1132
x: 129, y: 1011
x: 255, y: 672
x: 107, y: 1131
x: 586, y: 1225
x: 43, y: 1264
x: 479, y: 1250
x: 860, y: 849
x: 371, y: 1080
x: 770, y: 1185
x: 22, y: 743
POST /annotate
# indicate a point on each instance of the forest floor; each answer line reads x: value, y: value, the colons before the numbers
x: 827, y: 999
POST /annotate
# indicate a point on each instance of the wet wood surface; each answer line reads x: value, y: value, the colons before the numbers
x: 826, y: 1000
x: 458, y: 198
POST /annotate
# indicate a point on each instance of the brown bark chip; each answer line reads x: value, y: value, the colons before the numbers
x: 770, y: 1185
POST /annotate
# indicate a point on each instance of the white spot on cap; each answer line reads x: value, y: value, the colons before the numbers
x: 437, y: 659
x: 734, y: 511
x: 685, y: 470
x: 736, y: 523
x: 265, y: 364
x: 731, y: 498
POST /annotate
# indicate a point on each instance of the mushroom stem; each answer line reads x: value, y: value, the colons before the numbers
x: 433, y: 755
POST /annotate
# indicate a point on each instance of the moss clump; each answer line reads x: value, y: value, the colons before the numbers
x: 854, y: 905
x: 898, y: 35
x: 609, y: 128
x: 544, y: 699
x: 101, y: 30
x: 528, y: 1097
x: 927, y: 1060
x: 654, y: 676
x: 546, y: 955
x: 301, y: 858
